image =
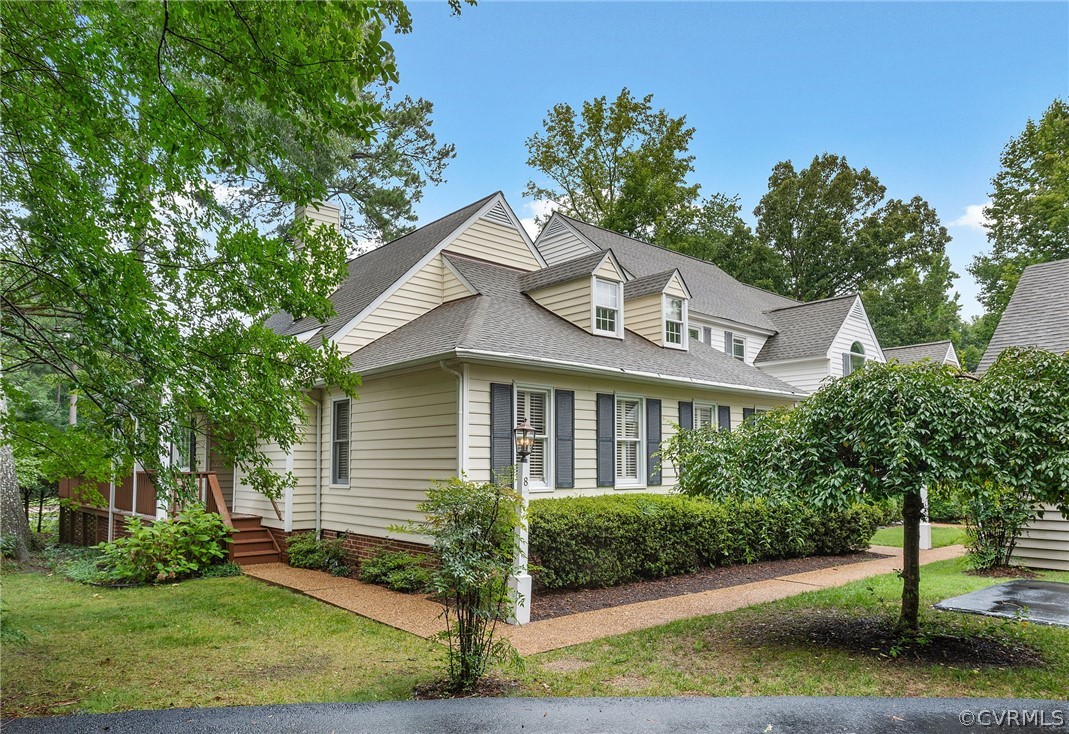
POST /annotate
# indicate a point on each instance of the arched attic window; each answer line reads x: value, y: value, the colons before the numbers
x: 853, y: 359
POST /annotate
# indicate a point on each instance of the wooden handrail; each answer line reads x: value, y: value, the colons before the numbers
x: 215, y: 493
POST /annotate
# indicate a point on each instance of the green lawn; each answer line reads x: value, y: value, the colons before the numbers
x: 941, y: 536
x: 233, y: 641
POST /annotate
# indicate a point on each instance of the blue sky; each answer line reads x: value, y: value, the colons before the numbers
x: 924, y: 94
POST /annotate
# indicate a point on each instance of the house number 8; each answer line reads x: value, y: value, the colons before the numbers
x: 526, y: 481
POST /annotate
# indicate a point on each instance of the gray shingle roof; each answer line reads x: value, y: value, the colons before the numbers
x: 502, y: 320
x: 805, y: 330
x: 1037, y: 314
x: 580, y: 267
x: 375, y: 271
x: 935, y: 351
x: 713, y: 291
x: 647, y: 285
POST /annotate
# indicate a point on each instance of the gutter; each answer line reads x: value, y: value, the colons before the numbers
x: 462, y: 415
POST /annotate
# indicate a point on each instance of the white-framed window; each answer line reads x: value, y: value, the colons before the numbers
x: 184, y: 451
x: 535, y: 404
x: 738, y: 347
x: 630, y: 440
x: 675, y: 322
x: 607, y: 299
x: 857, y: 357
x: 704, y: 415
x: 694, y: 333
x: 339, y: 442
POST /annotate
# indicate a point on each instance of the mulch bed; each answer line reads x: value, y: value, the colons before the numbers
x: 550, y: 604
x: 488, y: 687
x: 878, y: 637
x: 1005, y: 572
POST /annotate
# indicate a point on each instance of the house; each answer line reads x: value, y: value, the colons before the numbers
x: 459, y: 329
x: 940, y: 352
x: 1038, y: 316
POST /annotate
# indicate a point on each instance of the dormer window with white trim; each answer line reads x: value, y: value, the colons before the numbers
x: 675, y: 322
x: 607, y: 299
x: 738, y: 347
x: 854, y: 359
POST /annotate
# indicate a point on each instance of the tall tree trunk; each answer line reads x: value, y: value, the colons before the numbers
x: 13, y: 520
x: 912, y: 510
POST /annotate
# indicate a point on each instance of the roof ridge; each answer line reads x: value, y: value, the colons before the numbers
x: 920, y: 344
x: 424, y: 226
x: 1062, y: 261
x: 812, y: 303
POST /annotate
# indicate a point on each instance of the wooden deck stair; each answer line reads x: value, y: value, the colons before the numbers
x: 252, y: 542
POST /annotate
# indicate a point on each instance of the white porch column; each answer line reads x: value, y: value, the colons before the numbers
x: 520, y: 584
x: 926, y: 526
x: 287, y: 521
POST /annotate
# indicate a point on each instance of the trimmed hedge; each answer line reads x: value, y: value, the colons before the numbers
x: 583, y: 542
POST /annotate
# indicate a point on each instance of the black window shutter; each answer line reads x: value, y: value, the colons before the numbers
x: 564, y: 439
x: 746, y: 413
x: 653, y: 442
x: 606, y: 426
x: 501, y: 425
x: 686, y: 415
x: 707, y: 335
x: 847, y: 365
x: 723, y: 417
x: 727, y: 344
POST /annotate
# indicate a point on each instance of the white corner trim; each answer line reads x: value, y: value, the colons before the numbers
x: 464, y: 281
x: 306, y: 335
x: 287, y: 520
x: 436, y: 250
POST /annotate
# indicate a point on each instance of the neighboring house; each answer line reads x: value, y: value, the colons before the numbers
x: 941, y: 352
x: 462, y: 327
x: 1038, y: 316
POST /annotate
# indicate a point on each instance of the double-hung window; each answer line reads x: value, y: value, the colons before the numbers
x: 534, y: 405
x: 704, y: 415
x: 339, y: 442
x: 607, y: 307
x: 629, y: 437
x: 673, y: 321
x: 738, y: 347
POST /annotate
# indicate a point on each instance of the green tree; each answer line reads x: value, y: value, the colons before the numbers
x: 620, y: 165
x: 127, y: 268
x: 1029, y: 211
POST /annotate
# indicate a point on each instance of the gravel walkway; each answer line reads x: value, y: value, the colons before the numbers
x: 420, y: 616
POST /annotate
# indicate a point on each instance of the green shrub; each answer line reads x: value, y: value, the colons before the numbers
x: 887, y: 511
x: 945, y: 505
x: 611, y: 539
x: 994, y: 519
x: 307, y: 551
x: 166, y: 550
x: 397, y: 571
x: 221, y: 570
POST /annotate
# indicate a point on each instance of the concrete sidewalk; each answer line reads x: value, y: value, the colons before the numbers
x: 420, y: 616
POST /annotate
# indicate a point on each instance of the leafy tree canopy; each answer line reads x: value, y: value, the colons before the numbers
x: 1029, y: 211
x: 620, y: 165
x: 140, y: 139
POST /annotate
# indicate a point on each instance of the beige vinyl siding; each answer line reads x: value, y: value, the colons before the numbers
x: 607, y: 271
x: 557, y: 243
x: 586, y: 388
x: 302, y: 505
x: 452, y: 287
x: 804, y: 374
x: 328, y: 214
x: 855, y: 328
x: 494, y: 243
x: 675, y: 288
x: 571, y: 301
x: 421, y: 293
x: 251, y: 502
x: 404, y: 435
x: 1045, y: 543
x: 645, y: 317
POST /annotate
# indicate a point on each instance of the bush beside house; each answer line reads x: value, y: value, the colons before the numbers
x: 607, y: 540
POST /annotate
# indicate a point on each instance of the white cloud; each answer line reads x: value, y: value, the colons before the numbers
x: 973, y: 218
x: 536, y: 209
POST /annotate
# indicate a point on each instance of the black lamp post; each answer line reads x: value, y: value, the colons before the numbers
x: 523, y: 436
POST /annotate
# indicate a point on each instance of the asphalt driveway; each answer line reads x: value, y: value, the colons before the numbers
x: 583, y: 716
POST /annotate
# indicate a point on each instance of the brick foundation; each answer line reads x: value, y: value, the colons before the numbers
x: 358, y: 548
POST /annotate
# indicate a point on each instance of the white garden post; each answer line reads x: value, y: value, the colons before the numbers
x: 926, y: 526
x: 520, y: 583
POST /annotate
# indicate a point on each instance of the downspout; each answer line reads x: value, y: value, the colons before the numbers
x: 462, y: 403
x: 319, y: 466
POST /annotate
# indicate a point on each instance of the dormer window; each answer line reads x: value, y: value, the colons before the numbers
x: 607, y: 298
x: 855, y: 359
x: 738, y: 347
x: 674, y: 321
